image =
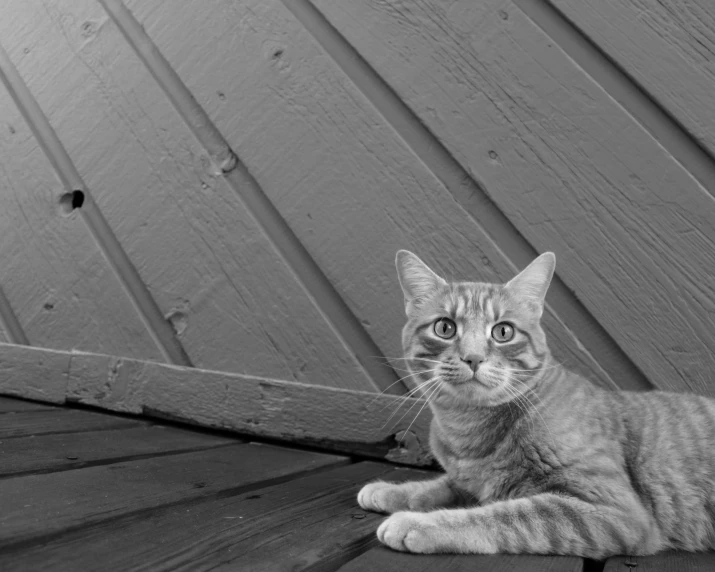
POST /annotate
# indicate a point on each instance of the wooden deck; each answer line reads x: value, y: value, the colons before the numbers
x: 81, y: 490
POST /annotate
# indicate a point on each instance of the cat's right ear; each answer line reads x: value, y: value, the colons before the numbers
x: 416, y: 278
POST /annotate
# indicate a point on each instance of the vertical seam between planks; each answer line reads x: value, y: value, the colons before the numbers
x: 124, y: 269
x: 625, y: 90
x: 595, y: 341
x: 310, y: 276
x: 10, y: 324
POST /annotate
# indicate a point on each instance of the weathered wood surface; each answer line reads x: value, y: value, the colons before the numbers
x: 232, y: 300
x: 632, y: 230
x: 38, y: 453
x: 62, y: 291
x: 33, y: 423
x: 313, y: 521
x: 664, y: 562
x: 667, y: 46
x: 382, y: 558
x: 358, y: 422
x: 9, y: 405
x: 35, y: 373
x: 348, y: 186
x: 46, y: 504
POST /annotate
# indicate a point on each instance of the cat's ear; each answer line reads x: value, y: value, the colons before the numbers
x: 533, y: 282
x: 416, y: 278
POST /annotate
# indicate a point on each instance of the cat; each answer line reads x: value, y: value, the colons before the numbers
x: 536, y: 458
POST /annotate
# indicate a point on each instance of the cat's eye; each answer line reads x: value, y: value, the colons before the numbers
x: 503, y: 332
x: 445, y: 328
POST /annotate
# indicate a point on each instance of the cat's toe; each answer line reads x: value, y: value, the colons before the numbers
x: 381, y: 497
x: 408, y: 532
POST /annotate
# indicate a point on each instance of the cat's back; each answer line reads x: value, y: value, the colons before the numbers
x: 667, y: 445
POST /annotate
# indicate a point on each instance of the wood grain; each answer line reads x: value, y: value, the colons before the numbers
x: 34, y: 373
x: 44, y: 505
x: 38, y: 453
x: 33, y: 423
x: 664, y: 562
x: 632, y: 230
x: 369, y: 424
x: 385, y: 559
x: 666, y: 46
x: 56, y: 279
x: 346, y: 184
x: 308, y: 523
x: 232, y: 300
x: 14, y: 405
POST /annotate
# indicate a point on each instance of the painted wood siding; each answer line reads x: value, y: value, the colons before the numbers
x: 249, y: 171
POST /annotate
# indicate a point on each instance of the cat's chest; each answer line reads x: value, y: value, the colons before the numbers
x: 488, y: 473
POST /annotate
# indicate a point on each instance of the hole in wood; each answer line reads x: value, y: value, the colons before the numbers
x: 71, y: 201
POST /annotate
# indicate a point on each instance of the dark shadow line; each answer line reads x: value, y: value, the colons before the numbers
x: 10, y: 324
x: 624, y: 89
x: 159, y: 329
x: 311, y: 277
x: 470, y: 195
x: 112, y: 460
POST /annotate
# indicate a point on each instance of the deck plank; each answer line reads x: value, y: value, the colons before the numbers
x: 41, y: 506
x: 664, y: 562
x: 382, y: 558
x: 49, y: 453
x: 10, y: 405
x: 311, y: 522
x: 59, y: 421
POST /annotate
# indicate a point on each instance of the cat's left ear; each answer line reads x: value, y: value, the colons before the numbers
x: 416, y: 278
x: 533, y: 282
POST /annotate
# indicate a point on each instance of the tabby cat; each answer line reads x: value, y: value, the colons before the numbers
x: 536, y: 458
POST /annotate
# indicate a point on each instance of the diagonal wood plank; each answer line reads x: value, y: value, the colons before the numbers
x: 55, y: 452
x: 666, y: 46
x: 347, y: 185
x: 385, y: 559
x: 31, y: 423
x: 233, y: 301
x: 664, y: 562
x: 9, y: 405
x: 573, y: 171
x: 308, y: 523
x: 62, y: 290
x: 40, y: 506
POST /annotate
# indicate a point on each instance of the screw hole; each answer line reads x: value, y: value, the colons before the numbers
x: 71, y: 201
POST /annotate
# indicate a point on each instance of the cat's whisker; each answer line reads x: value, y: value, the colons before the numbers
x: 405, y: 358
x: 536, y: 410
x: 434, y: 381
x: 402, y: 398
x: 427, y: 400
x: 407, y: 395
x: 398, y: 381
x: 519, y: 402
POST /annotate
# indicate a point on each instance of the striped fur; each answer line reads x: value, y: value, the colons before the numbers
x: 536, y: 458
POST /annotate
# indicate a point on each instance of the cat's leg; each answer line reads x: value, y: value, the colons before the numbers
x: 542, y: 524
x: 413, y: 495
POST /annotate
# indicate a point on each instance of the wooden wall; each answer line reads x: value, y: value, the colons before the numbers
x: 250, y: 167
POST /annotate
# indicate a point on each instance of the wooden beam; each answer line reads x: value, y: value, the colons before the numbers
x: 342, y: 420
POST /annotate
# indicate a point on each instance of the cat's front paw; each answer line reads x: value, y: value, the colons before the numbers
x: 383, y: 497
x: 410, y: 532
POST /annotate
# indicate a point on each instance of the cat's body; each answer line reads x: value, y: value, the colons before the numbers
x: 536, y: 458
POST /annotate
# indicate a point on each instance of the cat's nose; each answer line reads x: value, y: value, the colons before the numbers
x: 473, y: 361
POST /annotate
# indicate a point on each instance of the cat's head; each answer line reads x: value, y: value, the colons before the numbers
x: 483, y: 341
